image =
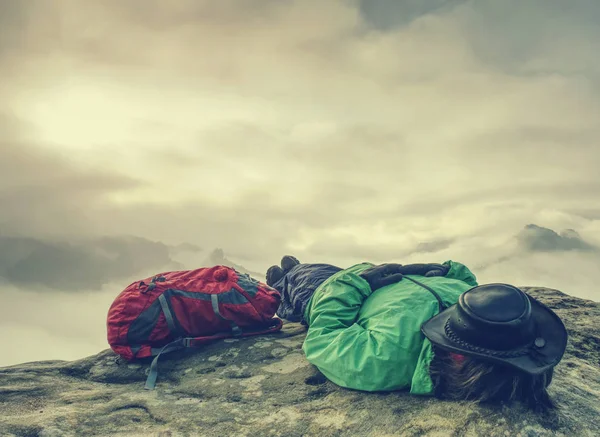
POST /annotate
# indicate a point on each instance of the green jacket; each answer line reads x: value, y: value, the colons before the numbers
x: 372, y: 341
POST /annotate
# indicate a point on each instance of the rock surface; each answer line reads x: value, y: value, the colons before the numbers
x: 263, y: 386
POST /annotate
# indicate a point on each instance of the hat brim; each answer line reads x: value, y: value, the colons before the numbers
x: 535, y: 361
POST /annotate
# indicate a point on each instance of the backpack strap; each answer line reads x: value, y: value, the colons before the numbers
x: 190, y: 342
x: 180, y: 343
x: 276, y: 326
x: 235, y: 329
x: 199, y: 341
x: 153, y: 373
x: 441, y: 305
x: 168, y: 314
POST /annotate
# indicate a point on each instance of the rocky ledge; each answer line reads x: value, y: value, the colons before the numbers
x: 263, y: 386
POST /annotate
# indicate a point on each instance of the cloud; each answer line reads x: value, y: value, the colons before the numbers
x: 60, y: 325
x: 391, y: 14
x: 533, y: 47
x: 262, y: 127
x: 32, y: 264
x: 89, y: 265
x: 42, y: 192
x: 539, y: 239
x: 433, y: 246
x: 185, y: 247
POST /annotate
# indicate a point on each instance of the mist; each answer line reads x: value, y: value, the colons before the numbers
x: 140, y: 136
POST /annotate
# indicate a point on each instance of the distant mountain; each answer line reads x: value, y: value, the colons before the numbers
x: 536, y: 238
x: 217, y: 257
x: 533, y: 238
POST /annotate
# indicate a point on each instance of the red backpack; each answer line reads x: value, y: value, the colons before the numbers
x: 181, y: 309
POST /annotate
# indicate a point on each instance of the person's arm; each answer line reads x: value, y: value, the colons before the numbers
x: 337, y: 303
x: 344, y: 351
x: 461, y: 272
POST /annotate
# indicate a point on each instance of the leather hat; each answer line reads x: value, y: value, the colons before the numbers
x: 500, y: 323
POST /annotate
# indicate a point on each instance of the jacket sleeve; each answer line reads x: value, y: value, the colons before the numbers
x: 345, y: 352
x: 461, y: 272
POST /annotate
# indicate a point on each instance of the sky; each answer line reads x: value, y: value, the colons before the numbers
x: 141, y: 136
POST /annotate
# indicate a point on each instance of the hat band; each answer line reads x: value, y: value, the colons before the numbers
x: 492, y: 352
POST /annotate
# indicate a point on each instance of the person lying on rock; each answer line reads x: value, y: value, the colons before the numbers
x: 429, y: 328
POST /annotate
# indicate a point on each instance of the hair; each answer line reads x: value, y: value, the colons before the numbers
x: 457, y: 377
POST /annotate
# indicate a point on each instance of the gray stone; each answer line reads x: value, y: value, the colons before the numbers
x: 263, y: 386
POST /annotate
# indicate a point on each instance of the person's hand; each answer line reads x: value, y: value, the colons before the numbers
x: 437, y: 270
x: 386, y: 274
x: 382, y: 275
x: 428, y: 270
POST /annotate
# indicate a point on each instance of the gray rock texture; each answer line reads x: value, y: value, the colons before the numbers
x: 263, y: 386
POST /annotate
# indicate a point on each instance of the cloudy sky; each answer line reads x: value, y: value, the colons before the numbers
x: 141, y: 135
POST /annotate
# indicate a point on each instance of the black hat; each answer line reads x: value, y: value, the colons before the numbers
x: 500, y: 323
